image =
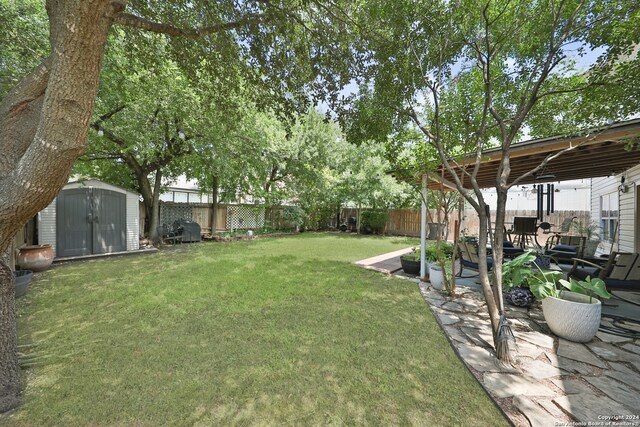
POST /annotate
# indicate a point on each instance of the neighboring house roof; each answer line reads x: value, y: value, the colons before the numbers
x: 595, y: 153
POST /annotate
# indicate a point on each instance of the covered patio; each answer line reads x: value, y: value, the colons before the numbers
x: 557, y: 380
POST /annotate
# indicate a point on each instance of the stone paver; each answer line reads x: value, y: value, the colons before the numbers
x: 540, y: 370
x: 587, y: 407
x: 507, y: 385
x: 571, y: 385
x: 482, y: 360
x: 576, y: 351
x: 618, y: 392
x: 551, y: 408
x: 479, y: 337
x: 633, y: 348
x: 612, y: 353
x: 528, y: 349
x: 536, y: 414
x: 448, y: 319
x: 455, y: 334
x: 612, y: 338
x: 572, y: 366
x: 622, y: 373
x: 536, y: 338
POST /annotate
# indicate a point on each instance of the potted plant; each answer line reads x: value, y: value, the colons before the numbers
x: 411, y: 262
x: 520, y: 272
x: 591, y: 231
x: 572, y: 313
x: 437, y: 276
x: 444, y: 258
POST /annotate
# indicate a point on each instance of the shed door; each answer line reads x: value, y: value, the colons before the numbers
x: 109, y: 221
x: 73, y: 225
x: 90, y: 221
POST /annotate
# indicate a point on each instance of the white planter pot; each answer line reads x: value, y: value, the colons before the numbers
x: 572, y: 317
x: 590, y: 247
x: 457, y: 266
x: 436, y: 277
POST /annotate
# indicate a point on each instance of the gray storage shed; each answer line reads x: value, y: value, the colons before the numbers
x: 90, y: 217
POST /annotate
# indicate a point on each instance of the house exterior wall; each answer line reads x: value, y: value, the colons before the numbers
x: 628, y: 208
x: 627, y: 240
x: 47, y: 217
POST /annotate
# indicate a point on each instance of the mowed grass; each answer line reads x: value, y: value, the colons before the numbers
x: 266, y: 332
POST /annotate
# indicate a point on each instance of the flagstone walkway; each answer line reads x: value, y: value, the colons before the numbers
x: 554, y: 382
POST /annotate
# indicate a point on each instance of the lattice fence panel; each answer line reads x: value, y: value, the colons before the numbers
x: 170, y: 212
x: 244, y: 217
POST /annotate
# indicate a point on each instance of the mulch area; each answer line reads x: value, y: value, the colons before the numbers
x: 255, y: 236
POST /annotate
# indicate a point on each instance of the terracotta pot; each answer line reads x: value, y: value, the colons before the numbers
x: 35, y: 257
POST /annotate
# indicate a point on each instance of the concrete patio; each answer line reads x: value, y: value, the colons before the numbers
x: 554, y: 381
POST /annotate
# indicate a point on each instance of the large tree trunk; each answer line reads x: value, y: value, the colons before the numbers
x: 214, y: 203
x: 150, y: 198
x: 10, y: 375
x: 154, y: 221
x: 43, y: 129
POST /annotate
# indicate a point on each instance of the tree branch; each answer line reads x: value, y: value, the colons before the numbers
x: 129, y: 20
x: 110, y: 114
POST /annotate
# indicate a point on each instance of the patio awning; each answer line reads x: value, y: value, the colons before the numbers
x: 599, y: 153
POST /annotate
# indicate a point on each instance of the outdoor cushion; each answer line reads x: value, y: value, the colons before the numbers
x: 564, y: 248
x: 507, y: 244
x: 474, y: 265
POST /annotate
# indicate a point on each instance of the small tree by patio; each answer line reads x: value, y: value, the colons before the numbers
x: 470, y: 76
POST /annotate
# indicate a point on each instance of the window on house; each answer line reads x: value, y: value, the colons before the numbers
x: 608, y: 216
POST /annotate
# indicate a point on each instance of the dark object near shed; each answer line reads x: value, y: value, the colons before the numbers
x: 23, y: 278
x: 189, y: 230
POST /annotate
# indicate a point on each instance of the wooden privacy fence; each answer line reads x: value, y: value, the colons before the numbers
x: 407, y: 221
x: 404, y: 222
x: 236, y: 217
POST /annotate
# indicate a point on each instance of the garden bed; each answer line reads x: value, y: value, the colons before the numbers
x: 233, y: 238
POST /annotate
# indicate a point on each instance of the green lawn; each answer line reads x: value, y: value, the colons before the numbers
x: 270, y: 331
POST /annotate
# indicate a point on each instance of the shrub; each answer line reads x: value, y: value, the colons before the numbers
x: 374, y: 219
x: 293, y: 216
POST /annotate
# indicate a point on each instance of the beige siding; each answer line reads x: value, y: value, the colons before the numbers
x: 133, y: 225
x: 626, y: 202
x: 628, y: 237
x: 47, y: 226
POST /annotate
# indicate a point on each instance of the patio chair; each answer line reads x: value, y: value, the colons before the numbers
x: 621, y: 271
x: 471, y: 257
x: 525, y: 229
x: 563, y: 249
